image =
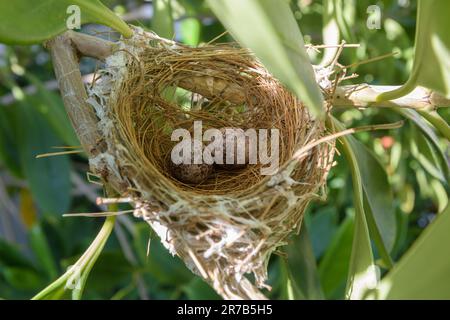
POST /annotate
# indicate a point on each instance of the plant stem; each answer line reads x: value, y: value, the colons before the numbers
x: 82, y: 267
x: 82, y: 117
x: 364, y: 95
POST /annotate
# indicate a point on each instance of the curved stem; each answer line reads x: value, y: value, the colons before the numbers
x: 402, y: 91
x: 81, y: 268
x: 364, y: 95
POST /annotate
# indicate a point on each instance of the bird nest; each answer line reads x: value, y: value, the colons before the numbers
x: 227, y: 225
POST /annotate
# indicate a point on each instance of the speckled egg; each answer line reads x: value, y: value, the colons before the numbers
x: 191, y: 173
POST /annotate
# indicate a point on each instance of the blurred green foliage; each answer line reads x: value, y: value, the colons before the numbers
x: 37, y: 244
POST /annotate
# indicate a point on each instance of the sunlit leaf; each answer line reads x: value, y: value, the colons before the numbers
x: 424, y: 271
x: 336, y: 15
x: 162, y: 22
x: 28, y: 21
x: 190, y: 31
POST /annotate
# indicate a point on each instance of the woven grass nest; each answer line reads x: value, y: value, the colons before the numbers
x: 227, y: 226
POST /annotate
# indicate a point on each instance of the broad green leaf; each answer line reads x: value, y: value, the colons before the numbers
x: 431, y: 67
x: 28, y: 21
x: 378, y: 199
x: 322, y: 226
x: 336, y: 14
x: 22, y: 278
x: 270, y: 30
x: 11, y: 256
x: 48, y: 178
x: 424, y: 271
x: 162, y: 21
x: 302, y: 266
x: 362, y: 271
x: 333, y: 268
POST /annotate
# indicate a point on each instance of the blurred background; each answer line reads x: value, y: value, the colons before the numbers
x: 37, y: 244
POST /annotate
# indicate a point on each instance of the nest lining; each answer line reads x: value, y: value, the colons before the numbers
x: 229, y: 225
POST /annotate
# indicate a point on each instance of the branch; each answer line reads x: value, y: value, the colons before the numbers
x: 65, y: 64
x: 90, y: 46
x: 364, y: 95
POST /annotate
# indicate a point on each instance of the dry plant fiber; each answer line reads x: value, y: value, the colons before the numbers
x: 227, y: 226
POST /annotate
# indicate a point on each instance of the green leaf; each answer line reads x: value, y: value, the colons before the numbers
x: 437, y: 121
x: 190, y: 31
x: 159, y: 262
x: 42, y: 252
x: 48, y: 178
x: 431, y: 67
x: 378, y: 199
x: 162, y: 21
x: 22, y: 278
x: 8, y: 141
x: 110, y: 265
x: 286, y: 285
x: 429, y: 133
x: 424, y: 271
x: 198, y: 289
x: 28, y: 21
x: 11, y: 256
x: 422, y: 150
x: 322, y: 227
x: 302, y: 268
x: 362, y: 271
x: 336, y: 14
x: 270, y: 30
x: 333, y: 268
x: 166, y: 268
